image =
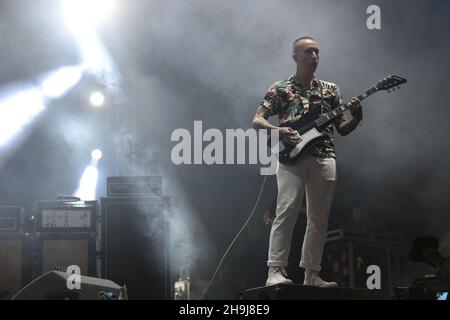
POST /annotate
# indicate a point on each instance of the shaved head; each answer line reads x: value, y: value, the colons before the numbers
x: 298, y: 42
x: 305, y: 53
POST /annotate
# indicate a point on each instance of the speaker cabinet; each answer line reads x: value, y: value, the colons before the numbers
x: 348, y: 254
x: 15, y: 257
x: 53, y: 285
x: 57, y: 251
x: 136, y: 251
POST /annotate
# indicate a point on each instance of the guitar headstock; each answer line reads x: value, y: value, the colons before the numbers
x: 390, y: 82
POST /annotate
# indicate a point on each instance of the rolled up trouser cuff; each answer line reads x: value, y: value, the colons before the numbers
x: 313, y: 268
x: 277, y: 263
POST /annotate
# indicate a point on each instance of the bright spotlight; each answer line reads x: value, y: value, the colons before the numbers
x: 20, y: 108
x: 17, y: 111
x: 91, y: 11
x: 60, y: 81
x: 81, y: 18
x: 88, y: 184
x: 96, y: 154
x: 97, y: 99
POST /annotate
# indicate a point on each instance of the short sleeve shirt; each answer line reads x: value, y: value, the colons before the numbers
x: 290, y: 101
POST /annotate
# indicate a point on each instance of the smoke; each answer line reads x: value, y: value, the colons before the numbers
x: 213, y: 61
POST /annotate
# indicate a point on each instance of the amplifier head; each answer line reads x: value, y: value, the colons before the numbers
x: 11, y: 219
x: 136, y: 186
x: 59, y: 216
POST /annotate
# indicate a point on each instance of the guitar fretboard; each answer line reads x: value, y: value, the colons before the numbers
x: 331, y: 115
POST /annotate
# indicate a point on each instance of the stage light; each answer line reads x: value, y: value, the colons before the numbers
x: 87, y: 188
x: 60, y: 81
x: 430, y: 287
x: 89, y: 11
x: 88, y: 184
x: 17, y: 111
x: 96, y: 154
x: 81, y: 17
x: 97, y: 99
x: 425, y: 249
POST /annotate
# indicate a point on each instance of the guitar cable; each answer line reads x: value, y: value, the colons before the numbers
x: 235, y: 238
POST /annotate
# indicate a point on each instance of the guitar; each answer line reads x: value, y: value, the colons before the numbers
x: 311, y: 127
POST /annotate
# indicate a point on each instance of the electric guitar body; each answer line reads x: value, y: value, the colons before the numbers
x: 311, y: 126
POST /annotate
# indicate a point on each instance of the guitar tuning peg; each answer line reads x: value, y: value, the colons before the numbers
x: 389, y: 91
x: 398, y: 87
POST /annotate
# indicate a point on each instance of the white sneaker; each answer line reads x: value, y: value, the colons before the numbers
x: 312, y: 279
x: 277, y: 275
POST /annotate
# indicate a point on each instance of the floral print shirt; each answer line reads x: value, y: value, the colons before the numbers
x: 290, y: 100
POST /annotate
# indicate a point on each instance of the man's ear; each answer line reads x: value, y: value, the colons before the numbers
x: 294, y: 56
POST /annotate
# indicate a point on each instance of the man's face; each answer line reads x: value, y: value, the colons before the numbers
x: 306, y: 54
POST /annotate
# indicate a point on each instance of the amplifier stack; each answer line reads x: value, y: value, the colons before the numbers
x: 15, y: 250
x: 65, y: 235
x: 124, y: 237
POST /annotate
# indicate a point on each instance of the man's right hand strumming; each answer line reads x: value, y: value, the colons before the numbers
x: 289, y: 136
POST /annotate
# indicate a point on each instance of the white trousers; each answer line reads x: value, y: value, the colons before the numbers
x: 315, y: 177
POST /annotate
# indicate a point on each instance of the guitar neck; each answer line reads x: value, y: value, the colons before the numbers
x: 339, y: 110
